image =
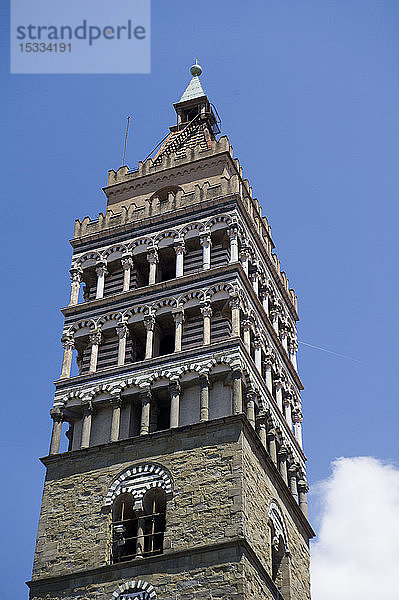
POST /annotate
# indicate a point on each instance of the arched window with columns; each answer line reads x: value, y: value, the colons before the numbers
x: 138, y: 499
x: 279, y: 551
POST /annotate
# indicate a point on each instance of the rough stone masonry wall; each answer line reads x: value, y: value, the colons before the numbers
x: 259, y: 491
x: 205, y: 463
x: 197, y: 576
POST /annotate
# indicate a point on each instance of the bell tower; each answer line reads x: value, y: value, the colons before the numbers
x: 176, y: 468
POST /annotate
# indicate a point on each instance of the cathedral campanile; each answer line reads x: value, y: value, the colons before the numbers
x: 176, y: 469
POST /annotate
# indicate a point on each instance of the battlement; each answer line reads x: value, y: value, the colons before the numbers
x: 134, y: 198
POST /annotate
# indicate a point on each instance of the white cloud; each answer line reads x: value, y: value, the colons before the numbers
x: 356, y: 554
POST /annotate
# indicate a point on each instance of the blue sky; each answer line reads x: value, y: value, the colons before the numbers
x: 308, y: 94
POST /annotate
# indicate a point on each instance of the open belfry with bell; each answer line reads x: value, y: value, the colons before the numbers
x: 176, y: 469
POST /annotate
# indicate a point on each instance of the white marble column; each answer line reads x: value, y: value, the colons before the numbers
x: 233, y: 236
x: 178, y: 316
x: 292, y: 474
x: 269, y: 359
x: 303, y: 489
x: 175, y: 391
x: 127, y: 265
x: 146, y: 398
x: 237, y: 392
x: 282, y: 456
x: 152, y: 257
x: 235, y: 305
x: 206, y: 312
x: 95, y: 341
x: 251, y: 395
x: 262, y: 428
x: 149, y: 324
x: 278, y: 385
x: 76, y: 279
x: 246, y: 327
x: 258, y: 353
x: 204, y: 397
x: 284, y: 336
x: 56, y: 415
x: 122, y: 333
x: 68, y: 344
x: 180, y: 252
x: 205, y: 241
x: 255, y: 281
x: 244, y: 259
x: 293, y: 348
x: 271, y: 437
x: 297, y: 419
x: 86, y: 426
x: 287, y: 410
x: 101, y: 270
x: 274, y: 315
x: 116, y: 403
x: 265, y: 300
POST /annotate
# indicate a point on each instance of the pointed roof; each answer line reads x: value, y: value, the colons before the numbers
x: 194, y: 88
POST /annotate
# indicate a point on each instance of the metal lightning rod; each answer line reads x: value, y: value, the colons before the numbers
x: 124, y: 149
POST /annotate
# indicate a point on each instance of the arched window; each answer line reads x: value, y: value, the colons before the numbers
x: 138, y: 499
x: 138, y: 527
x: 279, y: 554
x: 154, y: 504
x: 134, y: 590
x: 124, y: 529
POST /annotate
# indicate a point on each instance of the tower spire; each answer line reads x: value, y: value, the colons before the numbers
x: 194, y: 89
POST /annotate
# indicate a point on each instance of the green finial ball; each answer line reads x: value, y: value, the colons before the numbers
x: 196, y: 69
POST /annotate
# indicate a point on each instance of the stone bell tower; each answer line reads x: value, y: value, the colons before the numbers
x: 176, y: 469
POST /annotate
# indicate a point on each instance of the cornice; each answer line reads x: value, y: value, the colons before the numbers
x: 239, y: 545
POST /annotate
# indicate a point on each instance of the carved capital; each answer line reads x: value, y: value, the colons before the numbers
x: 122, y: 330
x: 127, y: 261
x: 303, y: 486
x: 206, y: 310
x: 232, y: 232
x: 257, y: 342
x: 205, y: 239
x: 178, y: 316
x: 174, y: 388
x: 245, y: 253
x: 76, y: 274
x: 246, y: 325
x: 203, y: 380
x: 236, y: 374
x: 95, y: 337
x: 152, y: 255
x: 56, y: 415
x: 251, y: 394
x: 149, y: 322
x: 283, y: 453
x: 145, y: 395
x: 116, y: 400
x: 235, y: 301
x: 101, y: 268
x: 297, y: 416
x: 179, y: 246
x: 68, y: 341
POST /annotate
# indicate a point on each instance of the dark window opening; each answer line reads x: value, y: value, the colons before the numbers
x: 138, y: 533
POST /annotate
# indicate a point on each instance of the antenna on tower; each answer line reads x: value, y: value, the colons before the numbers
x: 125, y: 146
